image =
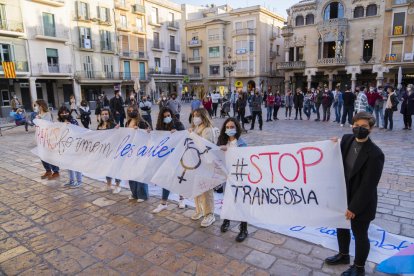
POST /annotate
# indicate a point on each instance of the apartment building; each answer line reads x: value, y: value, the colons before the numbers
x: 131, y: 35
x: 334, y: 42
x: 48, y: 44
x: 163, y: 44
x: 13, y: 48
x: 226, y: 45
x: 94, y: 44
x: 398, y: 41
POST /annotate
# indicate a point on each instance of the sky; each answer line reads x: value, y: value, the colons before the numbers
x: 278, y: 6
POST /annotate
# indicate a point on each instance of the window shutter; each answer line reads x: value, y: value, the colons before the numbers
x: 98, y: 12
x: 87, y: 11
x: 108, y: 15
x: 77, y: 8
x: 80, y: 37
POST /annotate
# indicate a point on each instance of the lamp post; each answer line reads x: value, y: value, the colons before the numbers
x: 229, y: 67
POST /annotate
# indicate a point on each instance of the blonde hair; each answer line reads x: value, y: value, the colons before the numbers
x: 205, y: 117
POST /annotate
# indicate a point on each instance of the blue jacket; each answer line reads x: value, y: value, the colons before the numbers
x: 241, y: 142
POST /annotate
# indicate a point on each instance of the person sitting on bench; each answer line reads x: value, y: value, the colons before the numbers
x: 20, y: 118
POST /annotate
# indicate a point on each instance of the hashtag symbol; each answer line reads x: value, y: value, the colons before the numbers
x: 239, y: 169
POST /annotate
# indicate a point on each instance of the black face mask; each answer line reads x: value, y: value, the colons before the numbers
x: 133, y: 114
x: 360, y: 132
x: 65, y: 117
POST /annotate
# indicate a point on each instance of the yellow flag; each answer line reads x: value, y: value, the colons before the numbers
x: 8, y: 69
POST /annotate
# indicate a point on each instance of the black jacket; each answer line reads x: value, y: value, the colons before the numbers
x: 349, y: 99
x: 362, y: 184
x: 407, y: 105
x: 298, y: 100
x: 117, y: 105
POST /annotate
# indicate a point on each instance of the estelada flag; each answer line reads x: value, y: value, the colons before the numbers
x: 8, y: 69
x: 400, y: 263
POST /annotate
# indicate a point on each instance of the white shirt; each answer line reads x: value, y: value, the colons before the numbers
x: 232, y: 144
x: 215, y: 97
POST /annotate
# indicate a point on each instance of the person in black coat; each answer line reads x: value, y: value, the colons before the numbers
x: 407, y: 107
x: 363, y: 163
x: 116, y: 105
x: 348, y: 107
x: 298, y: 102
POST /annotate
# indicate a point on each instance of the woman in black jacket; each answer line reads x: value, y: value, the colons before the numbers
x: 298, y: 103
x: 407, y: 107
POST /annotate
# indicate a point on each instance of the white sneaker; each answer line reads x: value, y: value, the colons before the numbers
x: 181, y: 204
x: 196, y: 216
x: 159, y: 208
x: 139, y: 200
x: 131, y: 198
x: 208, y: 220
x: 342, y: 125
x: 117, y: 190
x: 106, y: 188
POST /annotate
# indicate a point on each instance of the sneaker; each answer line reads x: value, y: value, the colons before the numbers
x: 181, y: 204
x: 131, y: 197
x: 117, y: 190
x: 76, y: 185
x: 53, y: 176
x: 342, y: 125
x: 208, y: 220
x: 159, y: 208
x: 196, y: 216
x: 70, y: 183
x: 139, y: 200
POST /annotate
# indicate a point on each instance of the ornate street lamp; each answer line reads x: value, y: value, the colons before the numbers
x: 229, y: 67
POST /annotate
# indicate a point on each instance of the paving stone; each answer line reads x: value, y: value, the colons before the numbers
x: 99, y: 269
x: 105, y: 250
x: 283, y: 267
x: 218, y: 244
x: 182, y: 231
x: 310, y: 261
x: 119, y: 236
x: 197, y: 237
x: 254, y: 271
x: 175, y: 263
x: 260, y: 259
x: 235, y: 268
x: 156, y: 271
x: 267, y: 236
x: 284, y: 253
x: 159, y: 255
x: 11, y: 253
x: 129, y: 264
x: 8, y: 244
x: 258, y: 245
x: 200, y: 269
x: 20, y: 263
x: 238, y: 251
x: 298, y: 246
x: 103, y: 201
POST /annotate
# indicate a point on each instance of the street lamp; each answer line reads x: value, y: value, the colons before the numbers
x: 229, y: 67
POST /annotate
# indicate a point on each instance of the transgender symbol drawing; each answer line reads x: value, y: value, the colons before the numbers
x: 191, y: 158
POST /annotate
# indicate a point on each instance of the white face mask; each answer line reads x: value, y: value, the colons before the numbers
x: 36, y: 109
x: 197, y: 121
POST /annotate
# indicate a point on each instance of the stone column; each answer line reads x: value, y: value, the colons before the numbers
x: 353, y: 82
x: 330, y: 81
x: 32, y: 88
x: 287, y: 56
x: 77, y: 92
x: 309, y: 80
x: 287, y: 82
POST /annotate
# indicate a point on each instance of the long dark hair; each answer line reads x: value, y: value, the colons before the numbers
x: 160, y: 120
x: 111, y: 122
x: 223, y: 139
x: 61, y: 110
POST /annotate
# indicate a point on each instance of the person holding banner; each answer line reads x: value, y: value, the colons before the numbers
x: 108, y: 122
x: 230, y: 137
x: 203, y: 126
x: 363, y: 163
x: 167, y: 122
x: 139, y: 190
x: 75, y: 178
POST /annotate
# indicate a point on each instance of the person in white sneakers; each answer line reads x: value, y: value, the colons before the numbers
x: 203, y: 126
x: 168, y: 122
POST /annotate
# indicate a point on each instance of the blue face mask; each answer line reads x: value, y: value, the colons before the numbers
x: 167, y: 120
x: 231, y: 132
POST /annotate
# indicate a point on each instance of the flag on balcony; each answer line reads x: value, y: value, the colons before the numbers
x: 8, y: 69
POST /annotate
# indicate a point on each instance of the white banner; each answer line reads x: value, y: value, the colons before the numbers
x: 286, y: 185
x: 181, y: 162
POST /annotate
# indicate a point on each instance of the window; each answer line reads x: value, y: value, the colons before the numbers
x: 277, y: 50
x: 396, y: 49
x: 214, y: 52
x: 154, y: 15
x: 196, y: 70
x: 213, y: 34
x: 5, y: 97
x: 310, y: 19
x: 250, y: 24
x: 83, y: 10
x: 398, y: 23
x: 329, y: 49
x: 156, y: 39
x: 52, y: 60
x: 334, y: 10
x: 171, y: 17
x: 157, y: 62
x: 108, y: 67
x: 251, y: 66
x: 85, y: 38
x: 123, y: 21
x: 5, y: 54
x: 106, y: 40
x: 291, y: 54
x: 241, y: 47
x: 49, y: 24
x: 251, y: 45
x: 196, y: 53
x: 299, y: 53
x: 359, y: 12
x: 239, y: 25
x: 103, y: 14
x: 172, y: 43
x: 371, y: 10
x: 138, y: 22
x: 214, y: 69
x: 127, y: 70
x: 88, y: 66
x: 173, y: 66
x: 2, y: 16
x: 368, y: 49
x: 299, y: 20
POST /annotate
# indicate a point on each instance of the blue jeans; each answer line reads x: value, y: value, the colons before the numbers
x: 73, y: 175
x: 165, y: 194
x: 307, y: 110
x: 49, y: 167
x: 379, y: 114
x: 338, y: 109
x: 139, y: 190
x: 269, y: 113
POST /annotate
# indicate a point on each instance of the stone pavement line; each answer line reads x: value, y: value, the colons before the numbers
x: 48, y: 229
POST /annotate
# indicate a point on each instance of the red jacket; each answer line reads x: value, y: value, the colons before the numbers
x: 270, y: 101
x: 208, y: 104
x: 372, y: 97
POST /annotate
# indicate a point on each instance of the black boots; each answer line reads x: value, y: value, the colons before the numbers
x: 338, y: 259
x: 354, y: 271
x: 225, y: 226
x: 243, y: 232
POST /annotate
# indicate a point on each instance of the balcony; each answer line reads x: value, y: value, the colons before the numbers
x: 215, y: 37
x: 173, y: 25
x: 195, y: 43
x: 136, y: 55
x: 86, y: 45
x: 123, y: 28
x: 292, y: 65
x: 400, y: 2
x: 165, y: 71
x: 45, y: 69
x: 139, y: 30
x: 158, y: 46
x: 243, y: 73
x: 174, y: 48
x: 132, y: 76
x: 216, y: 76
x: 51, y: 34
x: 287, y: 31
x: 196, y: 76
x: 11, y: 28
x: 274, y: 54
x: 195, y: 60
x: 244, y: 31
x: 122, y: 6
x: 107, y: 47
x: 331, y: 61
x: 96, y: 75
x: 106, y: 22
x: 393, y: 58
x: 154, y: 22
x: 138, y: 9
x: 54, y: 3
x: 19, y: 66
x: 401, y: 31
x: 83, y: 17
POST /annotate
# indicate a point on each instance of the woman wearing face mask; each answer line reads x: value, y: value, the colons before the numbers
x: 145, y: 109
x: 72, y: 101
x: 85, y: 114
x: 208, y: 105
x: 241, y: 109
x: 230, y: 138
x: 108, y: 122
x: 42, y: 110
x: 407, y: 107
x: 162, y: 102
x: 203, y: 126
x: 75, y: 178
x: 166, y: 122
x: 139, y: 190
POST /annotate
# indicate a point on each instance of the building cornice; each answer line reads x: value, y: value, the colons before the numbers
x: 164, y: 5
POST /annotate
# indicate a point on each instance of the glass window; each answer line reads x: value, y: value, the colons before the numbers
x: 85, y: 38
x: 5, y: 97
x: 396, y: 50
x: 251, y: 65
x: 291, y: 54
x: 334, y: 10
x: 310, y: 19
x: 138, y: 22
x: 214, y: 52
x: 239, y: 25
x: 106, y: 40
x: 277, y: 49
x: 123, y: 20
x: 250, y: 24
x: 299, y: 20
x: 154, y: 15
x: 359, y: 12
x: 171, y: 17
x: 157, y: 62
x: 83, y: 10
x: 49, y: 24
x: 196, y: 52
x: 368, y: 50
x: 299, y: 53
x: 88, y: 66
x: 251, y: 45
x: 108, y: 67
x: 399, y: 23
x: 372, y: 10
x: 214, y: 69
x: 104, y: 14
x: 196, y: 70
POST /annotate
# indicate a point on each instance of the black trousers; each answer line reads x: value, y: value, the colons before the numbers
x: 362, y: 246
x: 298, y: 110
x: 388, y: 118
x: 326, y: 112
x: 275, y: 110
x: 258, y: 114
x: 348, y: 111
x: 215, y: 106
x: 288, y: 110
x: 408, y: 120
x: 240, y: 116
x: 318, y: 113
